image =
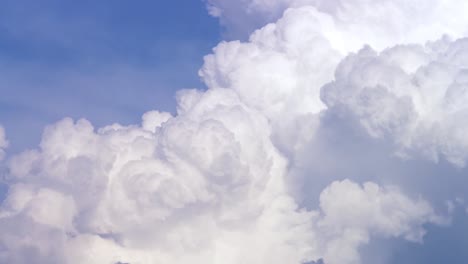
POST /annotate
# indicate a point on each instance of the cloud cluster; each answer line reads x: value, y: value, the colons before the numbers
x: 137, y: 195
x: 206, y: 186
x: 169, y: 191
x: 415, y: 95
x: 351, y: 214
x: 379, y: 23
x: 217, y: 182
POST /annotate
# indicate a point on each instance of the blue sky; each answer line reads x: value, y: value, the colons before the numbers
x: 107, y: 61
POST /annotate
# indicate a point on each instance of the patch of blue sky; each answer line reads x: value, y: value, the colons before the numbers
x: 107, y: 61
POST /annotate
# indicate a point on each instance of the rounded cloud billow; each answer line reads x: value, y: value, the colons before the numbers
x: 281, y: 160
x: 415, y: 95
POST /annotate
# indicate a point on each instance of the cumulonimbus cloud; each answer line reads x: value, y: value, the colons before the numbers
x: 215, y: 182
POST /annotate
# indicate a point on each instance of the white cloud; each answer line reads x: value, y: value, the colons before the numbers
x: 130, y: 195
x: 279, y: 72
x: 415, y: 95
x: 214, y: 183
x: 281, y: 69
x: 351, y: 214
x: 207, y: 186
x: 381, y: 23
x: 194, y: 189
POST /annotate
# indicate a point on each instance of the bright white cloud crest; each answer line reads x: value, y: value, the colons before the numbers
x: 214, y: 183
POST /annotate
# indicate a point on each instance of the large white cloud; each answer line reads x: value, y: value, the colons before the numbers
x: 206, y: 186
x: 193, y: 187
x: 279, y: 72
x: 217, y: 183
x: 416, y: 95
x: 203, y: 187
x: 282, y: 68
x: 380, y: 23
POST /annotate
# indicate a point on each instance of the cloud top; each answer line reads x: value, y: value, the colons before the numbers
x: 380, y: 23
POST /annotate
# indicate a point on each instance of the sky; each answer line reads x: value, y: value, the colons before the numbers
x: 225, y: 131
x: 108, y: 61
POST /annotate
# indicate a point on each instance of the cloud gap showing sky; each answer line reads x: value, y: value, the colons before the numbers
x: 331, y: 132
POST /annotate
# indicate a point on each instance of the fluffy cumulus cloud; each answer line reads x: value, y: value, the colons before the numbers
x: 375, y: 22
x: 415, y: 95
x: 260, y: 167
x: 205, y: 187
x: 352, y: 213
